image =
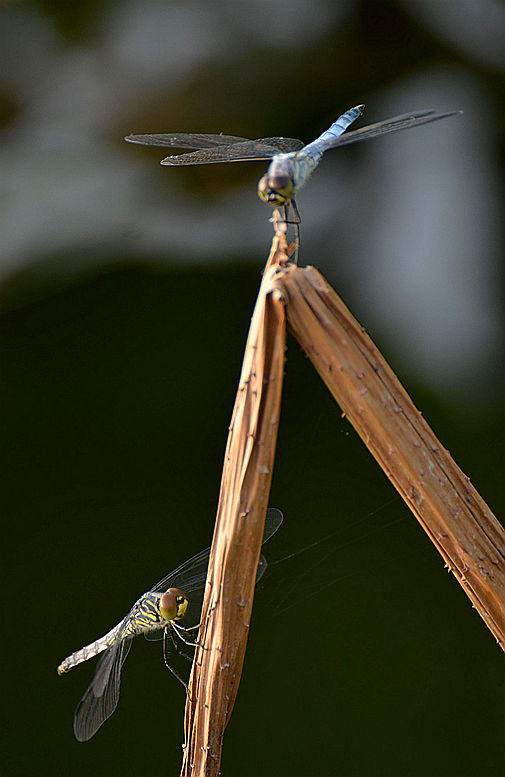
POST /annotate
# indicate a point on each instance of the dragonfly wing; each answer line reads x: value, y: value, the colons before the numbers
x: 282, y: 145
x: 184, y: 140
x: 262, y: 568
x: 404, y: 121
x: 154, y: 636
x: 248, y: 151
x: 192, y: 570
x: 102, y: 696
x: 273, y: 520
x: 191, y: 575
x: 201, y: 142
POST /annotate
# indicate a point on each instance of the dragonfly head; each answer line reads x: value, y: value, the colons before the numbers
x: 276, y: 189
x: 173, y: 604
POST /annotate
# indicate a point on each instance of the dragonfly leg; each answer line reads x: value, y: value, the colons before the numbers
x: 178, y: 647
x: 296, y: 221
x: 167, y: 633
x: 281, y: 223
x: 181, y: 633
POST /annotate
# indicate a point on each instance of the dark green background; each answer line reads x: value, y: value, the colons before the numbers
x: 365, y: 656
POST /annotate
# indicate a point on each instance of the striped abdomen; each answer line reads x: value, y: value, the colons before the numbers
x: 91, y: 650
x: 144, y: 616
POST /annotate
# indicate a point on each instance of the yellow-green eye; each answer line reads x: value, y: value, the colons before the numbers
x: 182, y: 605
x: 275, y: 189
x: 173, y: 604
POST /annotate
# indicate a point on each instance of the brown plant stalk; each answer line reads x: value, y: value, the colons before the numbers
x: 234, y: 556
x: 452, y: 513
x: 454, y: 516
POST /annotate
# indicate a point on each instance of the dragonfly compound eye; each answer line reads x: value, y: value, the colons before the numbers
x: 182, y: 605
x: 275, y: 189
x: 173, y: 604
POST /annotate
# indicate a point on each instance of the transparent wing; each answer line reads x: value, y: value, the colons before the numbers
x: 184, y: 140
x: 248, y: 151
x: 154, y: 636
x: 404, y: 121
x: 102, y: 696
x: 273, y: 521
x: 282, y: 145
x: 190, y: 576
x: 216, y: 148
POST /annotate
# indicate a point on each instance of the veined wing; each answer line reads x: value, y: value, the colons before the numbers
x: 396, y: 123
x: 190, y: 576
x: 102, y: 696
x: 248, y: 151
x: 212, y: 149
x: 184, y: 140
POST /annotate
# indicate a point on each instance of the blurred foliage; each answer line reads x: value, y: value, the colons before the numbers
x: 74, y: 21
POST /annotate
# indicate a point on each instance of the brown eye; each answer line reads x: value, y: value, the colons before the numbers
x: 168, y: 605
x: 173, y: 604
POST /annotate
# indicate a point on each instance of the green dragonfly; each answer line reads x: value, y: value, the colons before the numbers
x: 292, y: 162
x: 160, y: 613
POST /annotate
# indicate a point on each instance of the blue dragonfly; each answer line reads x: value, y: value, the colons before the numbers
x: 292, y: 162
